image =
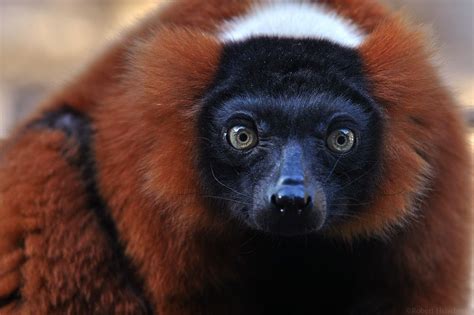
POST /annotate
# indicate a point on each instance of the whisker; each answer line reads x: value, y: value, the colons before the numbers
x: 333, y: 168
x: 355, y: 179
x: 345, y: 215
x: 352, y: 204
x: 205, y: 139
x: 227, y: 199
x: 224, y: 185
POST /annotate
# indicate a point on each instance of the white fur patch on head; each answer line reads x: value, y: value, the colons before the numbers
x: 295, y: 19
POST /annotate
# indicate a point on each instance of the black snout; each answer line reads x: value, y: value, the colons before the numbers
x: 295, y: 202
x: 293, y: 209
x: 291, y: 199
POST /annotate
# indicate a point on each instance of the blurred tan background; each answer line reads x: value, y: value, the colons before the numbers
x: 44, y: 42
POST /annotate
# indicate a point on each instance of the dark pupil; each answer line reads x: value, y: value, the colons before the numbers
x: 341, y: 140
x: 243, y: 137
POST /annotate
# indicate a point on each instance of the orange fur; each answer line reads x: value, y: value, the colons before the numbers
x: 166, y: 207
x: 62, y: 251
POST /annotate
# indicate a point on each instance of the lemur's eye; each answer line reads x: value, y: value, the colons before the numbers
x: 242, y: 138
x: 341, y: 140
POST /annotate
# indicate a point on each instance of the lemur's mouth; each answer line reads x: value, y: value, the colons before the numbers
x: 289, y: 222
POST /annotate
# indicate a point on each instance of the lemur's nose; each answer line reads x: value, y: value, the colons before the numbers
x: 291, y: 199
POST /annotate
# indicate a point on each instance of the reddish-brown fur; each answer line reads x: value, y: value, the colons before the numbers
x: 53, y: 243
x: 52, y: 247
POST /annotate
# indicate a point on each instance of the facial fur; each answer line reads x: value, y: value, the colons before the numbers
x: 293, y: 93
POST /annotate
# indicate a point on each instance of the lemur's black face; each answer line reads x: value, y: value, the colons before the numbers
x: 289, y: 135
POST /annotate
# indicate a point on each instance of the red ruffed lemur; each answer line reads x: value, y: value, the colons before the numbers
x: 243, y: 157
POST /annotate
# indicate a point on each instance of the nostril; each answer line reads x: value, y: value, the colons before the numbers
x: 307, y: 201
x: 273, y: 199
x: 281, y: 201
x: 301, y: 202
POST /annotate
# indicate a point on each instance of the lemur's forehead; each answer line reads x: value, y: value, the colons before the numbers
x: 290, y: 47
x: 292, y: 19
x: 315, y: 71
x: 289, y: 64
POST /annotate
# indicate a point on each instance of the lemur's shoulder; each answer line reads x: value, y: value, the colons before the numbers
x: 52, y: 227
x: 28, y: 164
